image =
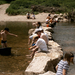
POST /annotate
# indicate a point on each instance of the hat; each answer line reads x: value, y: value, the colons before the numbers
x: 35, y: 36
x: 37, y: 30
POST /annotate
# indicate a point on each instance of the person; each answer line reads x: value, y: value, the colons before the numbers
x: 44, y: 36
x: 63, y: 65
x: 30, y: 40
x: 47, y: 20
x: 33, y: 41
x: 37, y: 32
x: 41, y: 34
x: 28, y: 15
x: 0, y: 37
x: 49, y: 16
x: 51, y: 20
x: 4, y: 37
x: 37, y: 24
x: 40, y: 46
x: 33, y: 16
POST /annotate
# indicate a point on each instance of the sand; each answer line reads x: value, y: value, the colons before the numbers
x: 4, y: 17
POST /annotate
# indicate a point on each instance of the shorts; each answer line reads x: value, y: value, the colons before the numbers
x: 3, y: 41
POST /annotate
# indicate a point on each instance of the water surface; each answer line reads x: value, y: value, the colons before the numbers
x: 64, y: 34
x: 17, y: 61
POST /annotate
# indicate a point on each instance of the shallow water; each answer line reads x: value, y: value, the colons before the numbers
x: 17, y: 61
x: 64, y: 34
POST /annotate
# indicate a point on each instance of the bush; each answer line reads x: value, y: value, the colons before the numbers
x: 2, y: 2
x: 23, y: 6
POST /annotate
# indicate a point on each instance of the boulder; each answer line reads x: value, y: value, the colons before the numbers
x: 48, y: 33
x: 31, y: 31
x: 53, y: 44
x: 50, y: 38
x: 61, y: 15
x: 48, y: 73
x: 48, y: 29
x: 44, y: 63
x: 39, y: 65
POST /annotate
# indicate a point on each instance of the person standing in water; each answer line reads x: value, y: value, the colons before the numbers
x: 4, y: 37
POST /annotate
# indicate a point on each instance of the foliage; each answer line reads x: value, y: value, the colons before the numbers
x: 5, y: 1
x: 2, y: 2
x: 23, y: 6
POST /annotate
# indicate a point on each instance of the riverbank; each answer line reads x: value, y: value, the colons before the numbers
x: 4, y: 17
x: 39, y: 17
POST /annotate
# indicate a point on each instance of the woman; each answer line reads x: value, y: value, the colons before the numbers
x: 37, y: 25
x: 63, y: 65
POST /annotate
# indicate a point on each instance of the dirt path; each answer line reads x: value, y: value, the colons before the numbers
x: 3, y: 9
x: 4, y: 17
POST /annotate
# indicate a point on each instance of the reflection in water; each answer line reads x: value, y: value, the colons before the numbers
x: 17, y: 61
x: 65, y: 36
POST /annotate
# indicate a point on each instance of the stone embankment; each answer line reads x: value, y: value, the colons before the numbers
x: 44, y: 63
x: 61, y: 17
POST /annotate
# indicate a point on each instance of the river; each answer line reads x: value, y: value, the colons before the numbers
x: 64, y: 34
x: 17, y: 61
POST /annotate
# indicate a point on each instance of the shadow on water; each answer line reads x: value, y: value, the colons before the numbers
x: 17, y: 61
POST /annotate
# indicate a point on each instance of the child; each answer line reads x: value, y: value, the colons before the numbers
x: 33, y: 16
x: 40, y: 46
x: 28, y: 15
x: 63, y: 65
x: 4, y: 36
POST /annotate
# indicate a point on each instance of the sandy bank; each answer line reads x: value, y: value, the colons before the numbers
x: 4, y: 17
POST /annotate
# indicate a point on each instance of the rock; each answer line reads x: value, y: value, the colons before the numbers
x: 60, y: 18
x: 48, y: 73
x: 44, y: 63
x: 31, y: 31
x: 44, y: 24
x: 61, y: 15
x: 39, y: 65
x: 48, y: 33
x: 65, y: 16
x: 50, y: 38
x: 48, y: 29
x: 56, y: 15
x: 65, y: 20
x: 53, y: 44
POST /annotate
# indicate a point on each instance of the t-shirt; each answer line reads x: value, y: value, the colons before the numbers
x: 41, y: 44
x: 62, y: 65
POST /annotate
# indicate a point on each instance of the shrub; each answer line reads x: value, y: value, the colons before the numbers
x: 23, y: 6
